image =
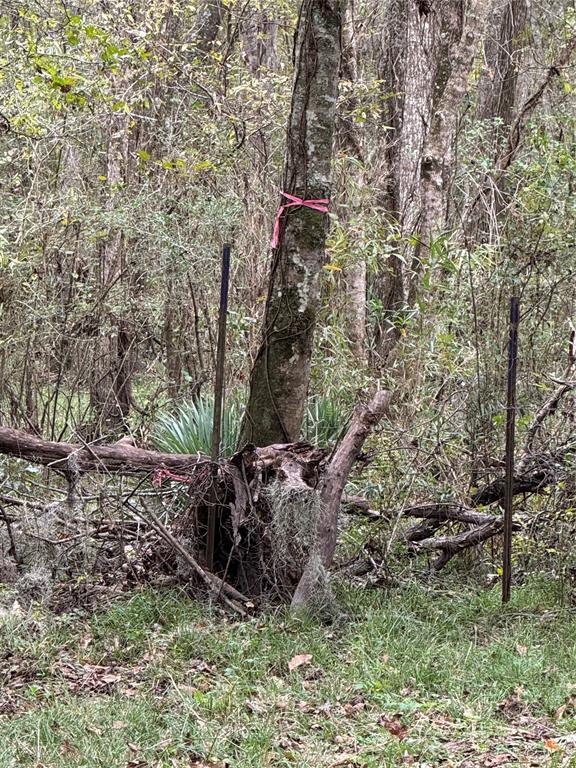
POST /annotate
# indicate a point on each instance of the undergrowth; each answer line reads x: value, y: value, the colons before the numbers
x: 421, y: 675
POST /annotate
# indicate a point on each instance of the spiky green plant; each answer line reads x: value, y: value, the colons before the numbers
x: 188, y: 429
x: 324, y: 420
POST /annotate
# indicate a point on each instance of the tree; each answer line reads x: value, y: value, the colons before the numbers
x: 351, y: 181
x: 110, y: 381
x: 431, y: 73
x: 281, y: 372
x: 498, y: 86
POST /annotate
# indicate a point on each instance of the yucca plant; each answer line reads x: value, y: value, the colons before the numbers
x: 188, y: 429
x: 324, y: 420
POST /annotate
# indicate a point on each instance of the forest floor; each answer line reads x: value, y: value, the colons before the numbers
x: 420, y: 676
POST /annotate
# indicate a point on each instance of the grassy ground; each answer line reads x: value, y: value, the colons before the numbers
x: 419, y: 676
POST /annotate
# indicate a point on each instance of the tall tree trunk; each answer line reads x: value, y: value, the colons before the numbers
x: 259, y: 35
x: 110, y: 385
x: 498, y: 85
x: 350, y: 184
x: 207, y: 25
x: 409, y: 65
x: 498, y: 98
x: 281, y: 372
x: 436, y: 165
x: 432, y: 75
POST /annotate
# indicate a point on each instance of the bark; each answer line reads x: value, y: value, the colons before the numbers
x: 115, y: 458
x: 259, y: 35
x: 351, y: 182
x: 281, y: 372
x: 355, y: 277
x: 497, y: 98
x: 498, y: 86
x: 416, y: 67
x: 417, y: 86
x: 408, y: 75
x: 207, y: 25
x: 110, y: 381
x: 435, y: 169
x: 451, y: 545
x: 421, y: 537
x: 537, y: 473
x: 123, y: 458
x: 365, y: 418
x: 441, y: 512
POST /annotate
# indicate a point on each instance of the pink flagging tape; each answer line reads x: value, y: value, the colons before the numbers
x: 321, y: 205
x: 161, y: 474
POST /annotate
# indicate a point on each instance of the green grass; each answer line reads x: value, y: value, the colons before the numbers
x: 464, y: 676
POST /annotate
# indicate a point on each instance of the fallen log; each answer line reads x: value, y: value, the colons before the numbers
x: 421, y: 536
x: 122, y: 458
x: 451, y: 545
x: 440, y: 511
x: 297, y: 465
x: 117, y: 458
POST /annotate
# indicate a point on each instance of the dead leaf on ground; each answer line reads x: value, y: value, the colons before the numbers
x: 394, y: 726
x: 355, y: 705
x: 345, y: 760
x: 521, y: 650
x: 299, y: 660
x: 552, y: 745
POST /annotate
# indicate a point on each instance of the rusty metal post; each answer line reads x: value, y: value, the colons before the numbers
x: 510, y: 439
x: 218, y: 400
x: 221, y: 354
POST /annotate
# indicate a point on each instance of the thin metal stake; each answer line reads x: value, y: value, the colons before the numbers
x: 218, y: 399
x: 510, y: 437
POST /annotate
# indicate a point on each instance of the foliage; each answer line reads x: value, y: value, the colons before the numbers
x: 325, y: 420
x: 188, y: 429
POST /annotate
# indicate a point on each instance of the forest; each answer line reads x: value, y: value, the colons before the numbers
x: 287, y: 383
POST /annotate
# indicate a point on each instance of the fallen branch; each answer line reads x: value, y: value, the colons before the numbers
x: 118, y: 458
x: 441, y: 511
x: 549, y: 408
x: 539, y: 471
x: 121, y: 458
x: 451, y: 545
x: 434, y: 516
x: 219, y: 588
x: 364, y: 419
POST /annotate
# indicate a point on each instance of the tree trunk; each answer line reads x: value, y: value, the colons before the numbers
x: 281, y: 373
x: 110, y: 383
x: 350, y: 184
x: 430, y: 72
x: 409, y: 64
x: 259, y: 34
x: 435, y: 168
x: 497, y: 88
x: 207, y: 25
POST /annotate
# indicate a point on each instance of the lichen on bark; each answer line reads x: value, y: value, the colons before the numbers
x: 281, y: 373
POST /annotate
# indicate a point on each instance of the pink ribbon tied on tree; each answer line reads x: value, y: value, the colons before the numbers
x: 321, y: 205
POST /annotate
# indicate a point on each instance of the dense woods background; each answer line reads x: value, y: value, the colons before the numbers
x: 137, y: 138
x: 145, y: 583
